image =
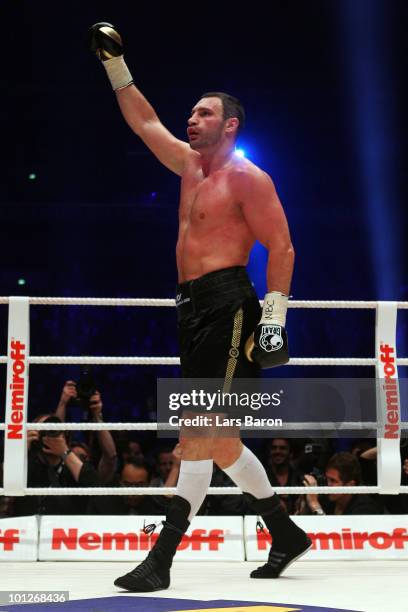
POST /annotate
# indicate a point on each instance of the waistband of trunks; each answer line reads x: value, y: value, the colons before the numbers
x: 214, y: 288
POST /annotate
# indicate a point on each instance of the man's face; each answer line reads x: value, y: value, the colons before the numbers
x: 133, y: 450
x: 132, y: 476
x: 165, y: 464
x: 279, y: 452
x: 334, y: 480
x: 206, y: 124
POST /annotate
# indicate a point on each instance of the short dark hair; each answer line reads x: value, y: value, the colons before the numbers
x: 347, y: 466
x: 139, y: 463
x: 232, y: 107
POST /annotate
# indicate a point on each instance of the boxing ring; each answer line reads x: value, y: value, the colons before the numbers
x: 310, y: 591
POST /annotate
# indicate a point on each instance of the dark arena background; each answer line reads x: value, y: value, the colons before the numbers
x: 86, y: 210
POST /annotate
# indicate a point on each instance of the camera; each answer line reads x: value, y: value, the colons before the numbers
x: 310, y: 458
x: 320, y: 478
x: 85, y: 387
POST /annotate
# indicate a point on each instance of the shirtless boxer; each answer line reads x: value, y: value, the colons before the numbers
x: 226, y: 204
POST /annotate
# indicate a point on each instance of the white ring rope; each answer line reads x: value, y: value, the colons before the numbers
x: 211, y: 491
x: 294, y: 361
x: 63, y: 301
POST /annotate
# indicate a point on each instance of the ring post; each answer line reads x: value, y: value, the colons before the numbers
x: 18, y: 350
x: 388, y: 399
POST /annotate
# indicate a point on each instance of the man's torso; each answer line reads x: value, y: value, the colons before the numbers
x: 213, y: 233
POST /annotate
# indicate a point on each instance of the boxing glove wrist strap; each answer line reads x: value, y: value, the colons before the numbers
x: 274, y: 309
x: 118, y: 72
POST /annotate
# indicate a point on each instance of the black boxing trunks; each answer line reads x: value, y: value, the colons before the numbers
x: 216, y: 314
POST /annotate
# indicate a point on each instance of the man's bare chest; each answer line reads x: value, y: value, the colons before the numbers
x: 207, y: 199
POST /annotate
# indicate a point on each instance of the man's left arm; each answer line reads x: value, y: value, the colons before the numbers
x: 107, y: 463
x: 264, y: 214
x: 58, y: 447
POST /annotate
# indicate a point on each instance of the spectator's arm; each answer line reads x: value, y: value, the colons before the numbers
x: 74, y: 464
x: 58, y: 446
x: 173, y: 476
x: 68, y: 392
x: 107, y: 463
x: 312, y: 499
x: 32, y: 436
x: 370, y: 454
x: 301, y: 506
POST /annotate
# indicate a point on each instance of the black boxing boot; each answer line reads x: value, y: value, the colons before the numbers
x: 289, y: 542
x: 153, y: 574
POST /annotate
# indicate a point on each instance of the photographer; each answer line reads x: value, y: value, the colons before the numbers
x: 342, y: 470
x: 84, y: 392
x: 51, y: 463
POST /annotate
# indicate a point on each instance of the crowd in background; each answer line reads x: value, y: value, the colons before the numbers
x: 127, y: 459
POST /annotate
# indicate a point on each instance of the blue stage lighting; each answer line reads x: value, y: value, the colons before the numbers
x: 367, y: 40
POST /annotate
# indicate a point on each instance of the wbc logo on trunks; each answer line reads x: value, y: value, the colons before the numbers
x: 180, y: 301
x: 271, y: 338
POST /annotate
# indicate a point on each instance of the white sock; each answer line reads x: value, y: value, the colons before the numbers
x: 249, y: 474
x: 193, y: 482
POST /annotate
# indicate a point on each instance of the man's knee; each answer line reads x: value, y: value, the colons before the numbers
x: 194, y: 449
x: 226, y: 451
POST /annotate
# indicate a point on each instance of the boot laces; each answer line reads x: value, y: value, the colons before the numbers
x: 259, y: 525
x: 151, y: 528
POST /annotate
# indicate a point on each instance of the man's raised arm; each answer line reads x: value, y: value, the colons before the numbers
x: 140, y: 115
